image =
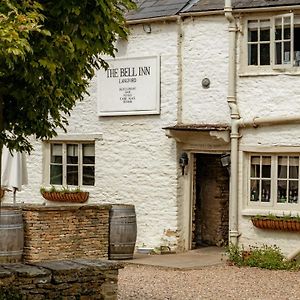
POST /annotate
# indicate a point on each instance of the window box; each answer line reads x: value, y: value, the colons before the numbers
x: 277, y: 223
x: 75, y: 196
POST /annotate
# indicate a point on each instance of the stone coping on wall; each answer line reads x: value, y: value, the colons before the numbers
x: 39, y: 207
x: 67, y: 279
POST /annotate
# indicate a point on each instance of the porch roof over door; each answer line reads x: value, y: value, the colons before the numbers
x: 206, y: 137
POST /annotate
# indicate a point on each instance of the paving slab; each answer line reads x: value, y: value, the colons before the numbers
x: 194, y: 259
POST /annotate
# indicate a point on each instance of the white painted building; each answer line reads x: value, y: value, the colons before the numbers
x: 214, y: 82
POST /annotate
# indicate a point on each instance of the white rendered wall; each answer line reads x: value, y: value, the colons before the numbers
x: 135, y: 162
x: 205, y: 52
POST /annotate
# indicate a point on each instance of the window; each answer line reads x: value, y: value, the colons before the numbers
x: 274, y: 181
x: 72, y: 163
x: 274, y: 42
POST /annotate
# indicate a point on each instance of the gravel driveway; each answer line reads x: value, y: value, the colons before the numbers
x: 216, y: 282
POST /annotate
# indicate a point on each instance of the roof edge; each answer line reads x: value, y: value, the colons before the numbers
x: 210, y: 13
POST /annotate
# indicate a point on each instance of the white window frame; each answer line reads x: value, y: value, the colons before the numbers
x: 273, y: 205
x: 273, y: 68
x: 66, y: 141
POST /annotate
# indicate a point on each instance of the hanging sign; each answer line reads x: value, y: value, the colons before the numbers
x: 130, y: 86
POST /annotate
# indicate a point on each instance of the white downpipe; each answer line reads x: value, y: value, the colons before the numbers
x: 235, y: 117
x: 180, y: 68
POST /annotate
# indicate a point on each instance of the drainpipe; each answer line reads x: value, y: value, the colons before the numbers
x: 235, y: 123
x: 180, y: 68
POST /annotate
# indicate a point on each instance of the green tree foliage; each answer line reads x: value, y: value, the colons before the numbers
x: 49, y: 50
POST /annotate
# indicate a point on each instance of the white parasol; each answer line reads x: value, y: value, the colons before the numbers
x: 14, y: 171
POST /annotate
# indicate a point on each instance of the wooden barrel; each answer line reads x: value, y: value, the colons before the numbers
x: 122, y: 231
x: 11, y: 236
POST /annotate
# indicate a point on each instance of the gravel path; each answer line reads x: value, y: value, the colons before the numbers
x: 218, y: 282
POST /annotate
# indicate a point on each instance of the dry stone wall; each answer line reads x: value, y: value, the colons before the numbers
x: 77, y: 279
x: 65, y: 232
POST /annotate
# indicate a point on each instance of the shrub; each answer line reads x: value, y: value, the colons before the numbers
x: 265, y: 257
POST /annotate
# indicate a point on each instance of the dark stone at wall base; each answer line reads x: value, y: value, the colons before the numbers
x: 68, y: 279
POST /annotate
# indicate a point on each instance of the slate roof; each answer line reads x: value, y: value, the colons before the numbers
x: 156, y: 8
x: 148, y: 9
x: 211, y: 5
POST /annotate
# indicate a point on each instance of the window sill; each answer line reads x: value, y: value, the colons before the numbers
x: 276, y: 72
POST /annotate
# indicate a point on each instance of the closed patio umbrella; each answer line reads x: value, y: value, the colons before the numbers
x: 14, y: 171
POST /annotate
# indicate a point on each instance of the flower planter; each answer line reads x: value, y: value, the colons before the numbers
x: 280, y: 224
x: 76, y: 197
x: 144, y: 250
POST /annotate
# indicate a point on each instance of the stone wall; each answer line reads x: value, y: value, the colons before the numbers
x: 76, y: 279
x: 65, y: 232
x: 212, y: 199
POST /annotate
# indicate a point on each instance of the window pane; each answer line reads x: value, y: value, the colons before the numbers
x: 264, y: 34
x: 254, y: 190
x: 72, y: 175
x: 255, y: 166
x: 287, y: 52
x: 294, y: 167
x: 56, y: 174
x: 278, y: 29
x: 278, y: 34
x: 252, y: 55
x: 253, y: 35
x: 266, y: 166
x: 293, y: 172
x: 278, y: 52
x: 253, y: 31
x: 264, y: 54
x: 287, y: 28
x: 282, y: 167
x: 287, y: 33
x: 281, y: 191
x: 88, y: 151
x: 297, y: 45
x: 293, y: 192
x: 266, y: 191
x: 88, y: 177
x: 56, y: 153
x: 297, y: 56
x: 72, y: 154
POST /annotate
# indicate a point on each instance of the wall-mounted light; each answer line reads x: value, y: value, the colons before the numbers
x: 183, y: 161
x: 147, y: 28
x: 225, y: 161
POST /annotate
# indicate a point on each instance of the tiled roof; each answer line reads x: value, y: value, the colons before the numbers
x: 156, y: 8
x: 148, y: 9
x: 210, y: 5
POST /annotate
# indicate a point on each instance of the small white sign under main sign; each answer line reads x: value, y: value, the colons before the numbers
x: 130, y: 86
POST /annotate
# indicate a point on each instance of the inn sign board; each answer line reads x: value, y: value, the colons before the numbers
x: 129, y: 86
